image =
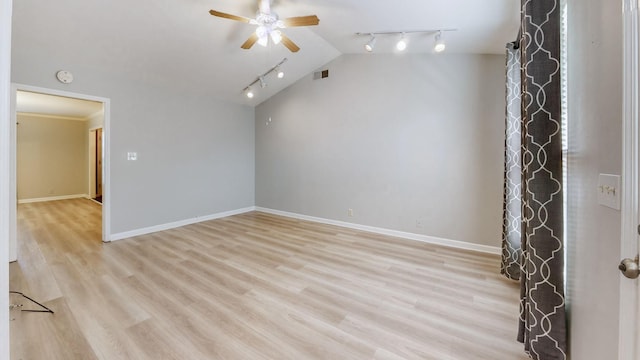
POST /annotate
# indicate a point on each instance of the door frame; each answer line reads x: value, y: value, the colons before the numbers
x: 106, y: 175
x: 630, y: 216
x: 5, y: 165
x: 91, y: 164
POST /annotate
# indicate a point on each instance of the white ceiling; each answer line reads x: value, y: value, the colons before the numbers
x: 177, y: 43
x: 36, y: 103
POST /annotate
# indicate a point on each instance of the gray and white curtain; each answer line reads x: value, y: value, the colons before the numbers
x: 512, y: 205
x: 542, y: 312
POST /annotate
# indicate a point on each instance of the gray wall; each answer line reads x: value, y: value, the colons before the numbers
x: 396, y: 139
x: 51, y: 157
x: 195, y: 154
x: 595, y: 137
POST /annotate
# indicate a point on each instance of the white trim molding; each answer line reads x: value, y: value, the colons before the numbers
x: 400, y: 234
x: 54, y: 198
x: 5, y: 172
x: 177, y: 224
x: 13, y: 190
x: 58, y: 117
x: 457, y: 244
x: 628, y: 316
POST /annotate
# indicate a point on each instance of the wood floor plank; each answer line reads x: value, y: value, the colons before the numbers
x: 252, y: 286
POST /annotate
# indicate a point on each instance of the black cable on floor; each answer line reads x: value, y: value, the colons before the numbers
x: 33, y: 301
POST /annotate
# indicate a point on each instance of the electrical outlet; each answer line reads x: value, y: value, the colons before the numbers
x: 350, y: 212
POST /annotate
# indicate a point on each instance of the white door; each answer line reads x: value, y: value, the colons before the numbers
x: 629, y: 315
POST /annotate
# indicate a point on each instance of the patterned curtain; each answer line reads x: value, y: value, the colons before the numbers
x: 512, y: 204
x: 543, y: 318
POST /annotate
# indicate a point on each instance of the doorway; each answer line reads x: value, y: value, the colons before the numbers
x: 100, y: 178
x: 96, y: 139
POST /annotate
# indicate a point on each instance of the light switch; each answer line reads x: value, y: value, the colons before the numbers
x: 132, y: 156
x: 609, y: 190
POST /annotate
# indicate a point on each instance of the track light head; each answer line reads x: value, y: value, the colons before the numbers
x: 401, y: 45
x: 263, y: 84
x: 248, y: 93
x: 439, y: 42
x: 279, y: 73
x: 371, y: 44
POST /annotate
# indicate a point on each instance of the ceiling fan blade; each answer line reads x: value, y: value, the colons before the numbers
x: 289, y: 44
x: 301, y: 21
x: 229, y: 16
x: 250, y: 41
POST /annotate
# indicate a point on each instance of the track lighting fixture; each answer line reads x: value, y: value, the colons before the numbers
x: 371, y: 44
x: 439, y: 43
x: 261, y: 79
x: 402, y: 44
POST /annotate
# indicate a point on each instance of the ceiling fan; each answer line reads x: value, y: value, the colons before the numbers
x: 269, y: 25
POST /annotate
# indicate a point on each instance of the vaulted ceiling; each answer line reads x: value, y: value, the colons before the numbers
x: 177, y: 43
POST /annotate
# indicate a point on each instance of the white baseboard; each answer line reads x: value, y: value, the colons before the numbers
x: 176, y: 224
x: 401, y: 234
x: 53, y: 198
x: 405, y: 235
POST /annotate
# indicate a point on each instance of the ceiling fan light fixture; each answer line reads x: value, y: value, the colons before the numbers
x: 263, y: 35
x: 268, y: 24
x: 439, y: 45
x: 369, y: 46
x: 401, y: 45
x: 276, y: 36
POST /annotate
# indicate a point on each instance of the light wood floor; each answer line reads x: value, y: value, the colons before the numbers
x: 252, y: 286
